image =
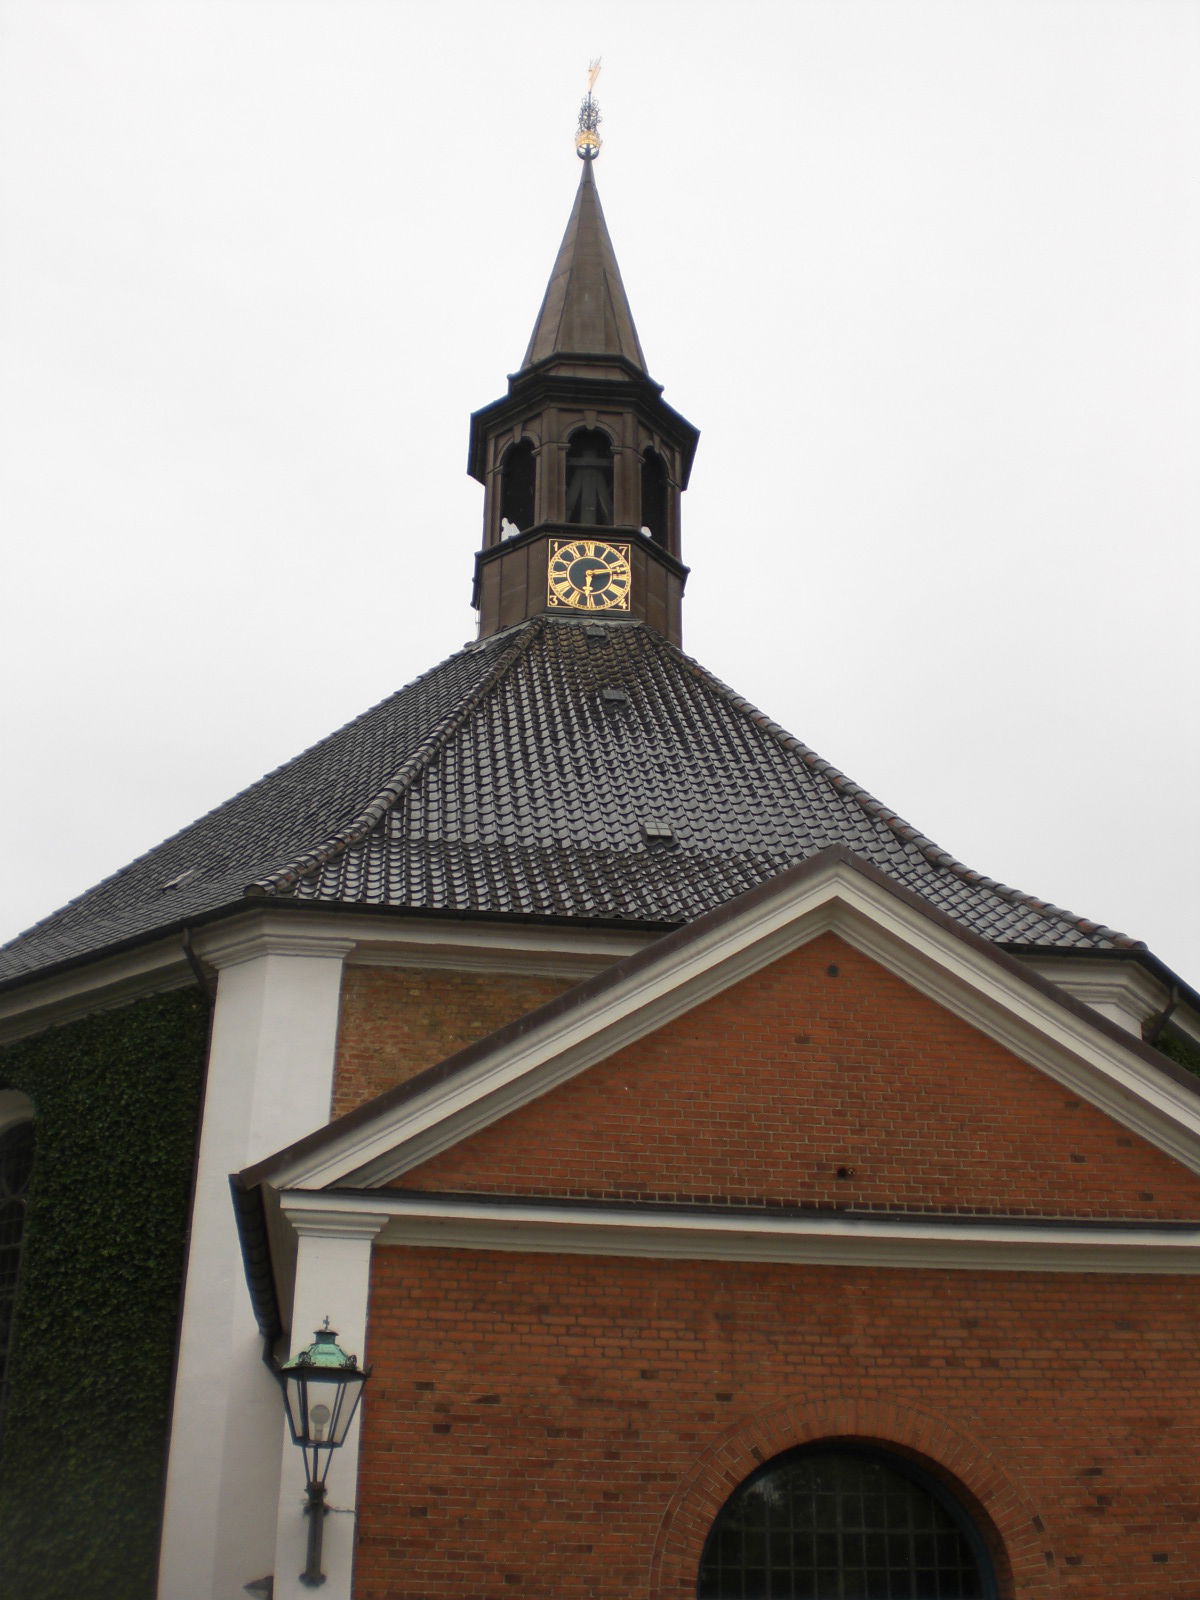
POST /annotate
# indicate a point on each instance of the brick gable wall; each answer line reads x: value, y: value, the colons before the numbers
x: 395, y: 1021
x: 567, y: 1426
x: 821, y: 1080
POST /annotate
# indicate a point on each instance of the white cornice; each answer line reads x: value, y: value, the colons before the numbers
x: 965, y: 976
x: 819, y: 1240
x: 227, y: 947
x: 159, y: 966
x: 498, y: 959
x: 1123, y: 991
x: 333, y: 1223
x: 100, y: 986
x: 420, y: 941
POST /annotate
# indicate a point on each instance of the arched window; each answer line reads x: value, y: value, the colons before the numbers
x: 516, y: 485
x: 590, y: 478
x: 842, y: 1522
x: 654, y: 495
x: 16, y: 1167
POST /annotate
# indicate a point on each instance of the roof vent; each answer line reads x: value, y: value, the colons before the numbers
x: 595, y: 631
x: 180, y: 878
x: 656, y: 832
x: 614, y: 696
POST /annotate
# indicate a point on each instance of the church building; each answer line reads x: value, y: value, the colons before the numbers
x: 728, y: 1194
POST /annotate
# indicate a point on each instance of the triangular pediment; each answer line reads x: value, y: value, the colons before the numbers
x: 820, y: 1082
x: 835, y: 894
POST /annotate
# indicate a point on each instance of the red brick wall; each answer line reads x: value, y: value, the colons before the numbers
x: 567, y: 1426
x: 395, y: 1021
x: 822, y: 1061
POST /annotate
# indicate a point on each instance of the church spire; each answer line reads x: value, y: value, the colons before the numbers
x: 586, y: 310
x: 582, y: 462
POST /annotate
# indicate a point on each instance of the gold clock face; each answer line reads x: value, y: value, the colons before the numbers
x: 588, y: 575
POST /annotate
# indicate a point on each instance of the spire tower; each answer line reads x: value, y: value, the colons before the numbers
x: 582, y: 462
x: 586, y: 310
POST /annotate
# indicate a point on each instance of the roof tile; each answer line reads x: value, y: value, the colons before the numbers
x: 505, y: 782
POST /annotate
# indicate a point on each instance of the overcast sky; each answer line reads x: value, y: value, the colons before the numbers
x: 923, y: 272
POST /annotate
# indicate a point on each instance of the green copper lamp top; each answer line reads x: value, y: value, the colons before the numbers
x: 324, y: 1351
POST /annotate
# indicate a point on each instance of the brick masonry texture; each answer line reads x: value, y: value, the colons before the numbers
x: 821, y: 1080
x: 568, y: 1426
x: 396, y: 1021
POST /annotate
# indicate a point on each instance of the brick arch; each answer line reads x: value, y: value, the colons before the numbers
x: 986, y: 1488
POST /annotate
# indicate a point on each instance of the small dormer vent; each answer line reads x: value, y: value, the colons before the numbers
x: 178, y: 881
x: 655, y: 831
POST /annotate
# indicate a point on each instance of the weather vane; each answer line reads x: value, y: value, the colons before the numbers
x: 587, y: 135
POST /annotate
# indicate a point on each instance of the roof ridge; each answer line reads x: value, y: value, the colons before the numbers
x: 933, y: 853
x: 284, y: 878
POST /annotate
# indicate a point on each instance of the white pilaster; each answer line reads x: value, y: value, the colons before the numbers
x: 333, y: 1279
x: 269, y: 1082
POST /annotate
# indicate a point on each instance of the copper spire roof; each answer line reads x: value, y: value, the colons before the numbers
x: 586, y: 311
x: 561, y: 770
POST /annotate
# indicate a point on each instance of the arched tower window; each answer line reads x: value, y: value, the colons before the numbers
x: 833, y: 1521
x: 516, y: 485
x: 590, y: 478
x: 16, y: 1168
x: 654, y: 495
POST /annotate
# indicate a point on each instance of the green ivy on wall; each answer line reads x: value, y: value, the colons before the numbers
x: 1184, y: 1052
x: 81, y: 1460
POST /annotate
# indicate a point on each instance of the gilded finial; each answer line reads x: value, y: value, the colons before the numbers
x: 587, y: 134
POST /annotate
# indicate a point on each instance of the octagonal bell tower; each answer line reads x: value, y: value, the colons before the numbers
x: 583, y: 464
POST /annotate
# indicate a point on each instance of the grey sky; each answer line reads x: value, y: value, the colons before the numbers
x: 924, y: 274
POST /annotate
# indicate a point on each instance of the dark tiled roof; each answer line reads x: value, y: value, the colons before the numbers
x: 507, y: 781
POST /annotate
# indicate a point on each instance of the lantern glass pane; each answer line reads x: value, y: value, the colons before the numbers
x: 321, y: 1404
x: 294, y: 1404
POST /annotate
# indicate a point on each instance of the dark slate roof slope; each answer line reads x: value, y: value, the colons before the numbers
x: 551, y: 799
x: 210, y: 863
x: 561, y: 769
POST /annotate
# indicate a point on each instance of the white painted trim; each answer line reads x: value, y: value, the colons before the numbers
x: 337, y: 1222
x: 100, y: 986
x: 333, y: 1279
x: 426, y: 939
x: 223, y: 946
x: 1122, y: 991
x: 819, y: 1239
x: 967, y: 978
x: 270, y: 1075
x: 160, y: 966
x: 1187, y: 1021
x: 574, y: 968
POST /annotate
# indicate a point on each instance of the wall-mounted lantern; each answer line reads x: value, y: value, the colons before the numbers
x: 321, y: 1391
